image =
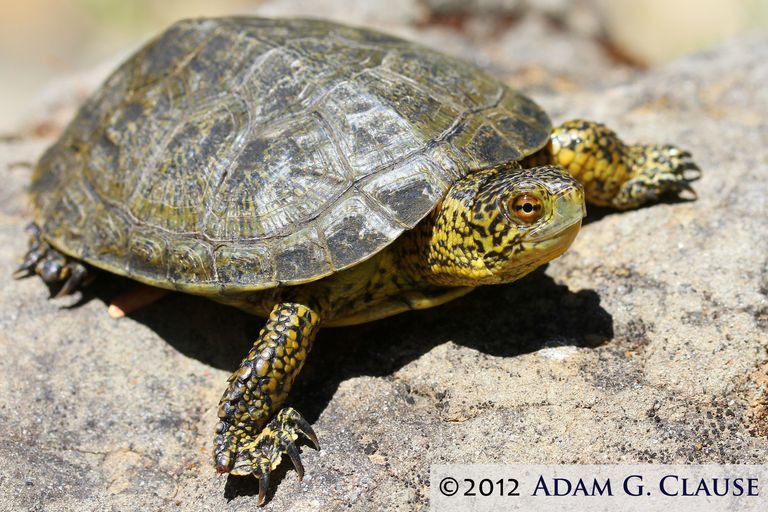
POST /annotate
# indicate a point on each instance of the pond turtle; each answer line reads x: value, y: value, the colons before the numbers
x: 316, y: 174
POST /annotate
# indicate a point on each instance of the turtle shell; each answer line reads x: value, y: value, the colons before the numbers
x: 241, y: 153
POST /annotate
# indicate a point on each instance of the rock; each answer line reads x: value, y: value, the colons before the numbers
x: 357, y: 12
x: 646, y: 342
x: 657, y: 31
x: 581, y: 16
x: 509, y: 37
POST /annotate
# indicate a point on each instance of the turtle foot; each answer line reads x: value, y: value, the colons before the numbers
x: 621, y: 175
x: 260, y: 455
x: 51, y: 265
x: 657, y: 171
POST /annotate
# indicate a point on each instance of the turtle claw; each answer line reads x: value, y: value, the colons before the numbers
x: 687, y: 192
x: 77, y: 274
x: 31, y: 259
x: 658, y: 170
x: 51, y: 265
x: 263, y: 488
x: 36, y: 252
x: 293, y: 454
x: 691, y: 172
x: 33, y: 230
x: 25, y: 269
x: 305, y: 428
x: 683, y: 166
x: 260, y: 455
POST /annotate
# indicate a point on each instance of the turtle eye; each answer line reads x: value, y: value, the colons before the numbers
x: 526, y: 207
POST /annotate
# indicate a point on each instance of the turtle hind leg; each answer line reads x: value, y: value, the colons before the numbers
x: 616, y: 174
x: 51, y: 265
x: 254, y: 429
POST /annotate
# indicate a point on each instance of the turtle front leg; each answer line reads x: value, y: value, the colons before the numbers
x: 617, y: 174
x: 252, y: 436
x: 51, y: 265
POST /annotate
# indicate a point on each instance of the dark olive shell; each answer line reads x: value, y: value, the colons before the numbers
x: 242, y: 153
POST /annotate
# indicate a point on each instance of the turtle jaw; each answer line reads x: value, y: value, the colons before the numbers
x: 558, y: 233
x: 536, y: 254
x: 560, y: 243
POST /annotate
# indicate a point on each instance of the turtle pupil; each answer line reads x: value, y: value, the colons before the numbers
x: 526, y: 207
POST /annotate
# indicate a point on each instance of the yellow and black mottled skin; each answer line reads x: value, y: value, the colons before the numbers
x: 245, y: 442
x: 317, y: 175
x: 613, y: 173
x: 474, y: 237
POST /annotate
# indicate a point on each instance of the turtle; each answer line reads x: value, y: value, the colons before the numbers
x: 316, y: 174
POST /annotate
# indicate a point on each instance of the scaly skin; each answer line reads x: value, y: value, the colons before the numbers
x: 613, y: 173
x: 246, y: 441
x: 472, y: 238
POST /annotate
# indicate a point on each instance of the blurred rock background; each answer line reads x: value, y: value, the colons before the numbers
x: 43, y: 39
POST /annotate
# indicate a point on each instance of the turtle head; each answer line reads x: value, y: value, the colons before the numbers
x: 523, y: 218
x: 498, y: 225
